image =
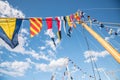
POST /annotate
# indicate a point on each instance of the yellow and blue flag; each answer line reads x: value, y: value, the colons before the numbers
x: 9, y: 28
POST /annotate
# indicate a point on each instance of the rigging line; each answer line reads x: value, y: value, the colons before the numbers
x: 113, y: 44
x: 78, y: 38
x: 90, y: 56
x: 80, y: 32
x: 90, y: 41
x: 80, y: 69
x: 101, y: 9
x: 97, y: 69
x: 107, y: 23
x: 94, y: 62
x: 104, y: 36
x: 106, y: 75
x: 114, y: 26
x: 99, y: 31
x: 116, y: 43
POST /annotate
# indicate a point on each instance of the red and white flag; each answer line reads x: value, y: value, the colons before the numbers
x: 49, y: 27
x: 59, y: 27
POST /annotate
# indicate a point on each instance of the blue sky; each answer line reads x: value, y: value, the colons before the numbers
x: 36, y: 58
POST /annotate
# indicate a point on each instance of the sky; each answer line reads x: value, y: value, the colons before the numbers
x: 37, y: 58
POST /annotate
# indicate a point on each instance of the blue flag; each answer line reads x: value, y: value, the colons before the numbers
x: 9, y: 28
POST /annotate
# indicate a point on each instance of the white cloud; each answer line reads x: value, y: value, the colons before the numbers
x: 23, y: 40
x: 51, y: 44
x: 51, y: 53
x: 53, y: 65
x: 6, y: 10
x: 94, y: 55
x: 23, y: 30
x: 1, y: 52
x: 49, y: 33
x: 42, y: 48
x: 14, y: 68
x: 100, y: 69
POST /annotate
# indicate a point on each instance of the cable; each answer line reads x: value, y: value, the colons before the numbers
x: 90, y: 56
x: 102, y: 9
x: 110, y: 37
x: 80, y: 69
x: 92, y: 61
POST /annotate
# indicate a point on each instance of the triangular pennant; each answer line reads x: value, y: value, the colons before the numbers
x: 9, y: 28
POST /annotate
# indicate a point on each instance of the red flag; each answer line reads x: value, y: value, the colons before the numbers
x: 49, y: 22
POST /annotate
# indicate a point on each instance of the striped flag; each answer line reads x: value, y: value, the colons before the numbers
x: 35, y: 26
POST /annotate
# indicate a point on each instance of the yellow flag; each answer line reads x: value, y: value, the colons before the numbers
x: 8, y: 26
x: 69, y: 22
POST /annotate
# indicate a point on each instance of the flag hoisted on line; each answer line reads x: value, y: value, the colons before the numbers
x: 9, y: 28
x: 59, y: 27
x: 69, y: 21
x: 49, y: 27
x: 64, y: 23
x: 35, y: 26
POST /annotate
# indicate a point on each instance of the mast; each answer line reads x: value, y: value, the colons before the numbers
x: 115, y: 54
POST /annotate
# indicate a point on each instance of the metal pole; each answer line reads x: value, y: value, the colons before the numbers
x: 105, y: 44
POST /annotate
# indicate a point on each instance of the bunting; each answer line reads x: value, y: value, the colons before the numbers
x: 49, y: 27
x: 110, y: 31
x: 64, y: 23
x: 77, y: 17
x: 69, y: 21
x: 78, y: 68
x: 72, y: 20
x: 82, y: 14
x: 9, y: 28
x: 69, y: 31
x: 59, y: 27
x: 70, y: 26
x: 90, y: 21
x: 35, y: 26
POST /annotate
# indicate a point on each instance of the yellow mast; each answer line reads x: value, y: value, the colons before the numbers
x: 105, y: 44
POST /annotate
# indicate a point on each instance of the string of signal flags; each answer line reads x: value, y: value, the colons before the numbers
x: 9, y: 27
x: 67, y: 72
